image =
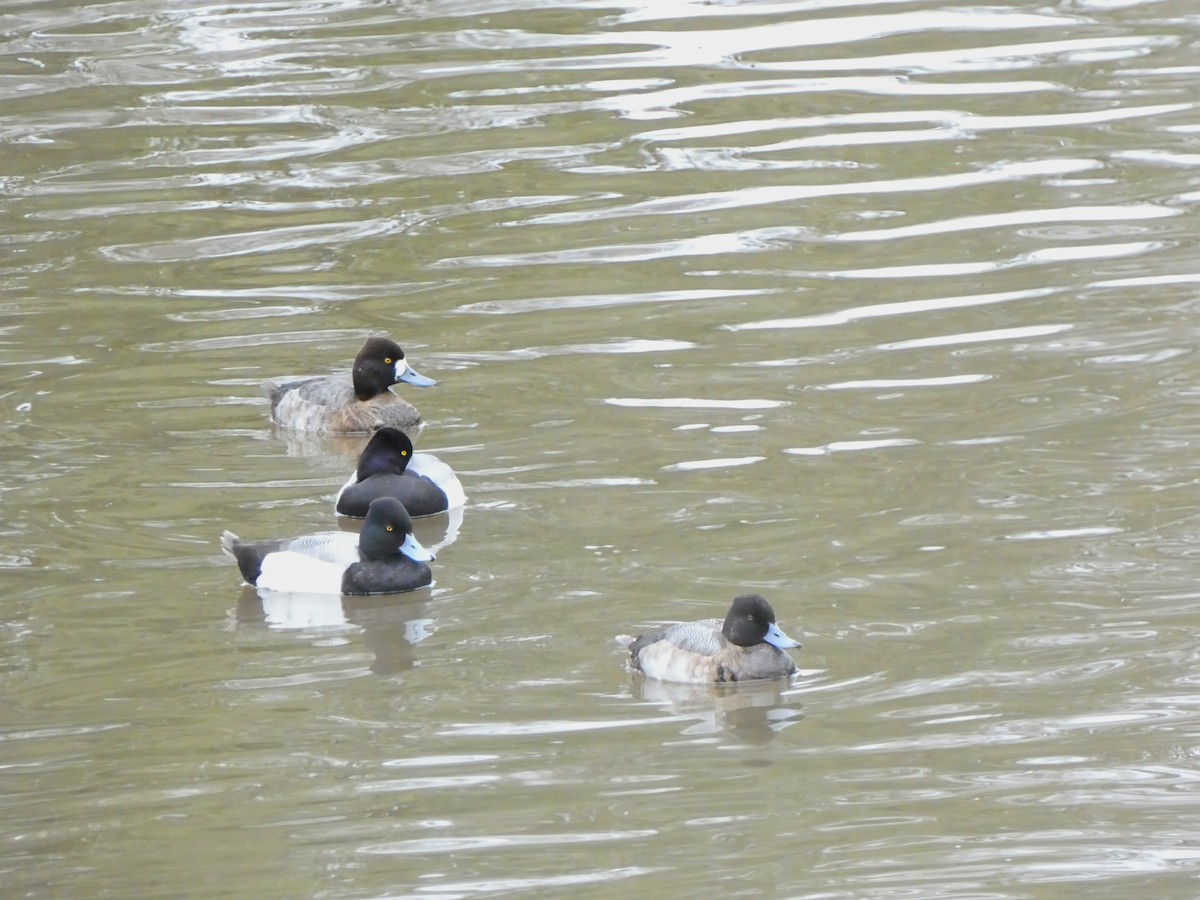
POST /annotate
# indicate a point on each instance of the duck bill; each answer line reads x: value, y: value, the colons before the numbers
x: 409, y: 375
x: 413, y: 549
x: 776, y: 638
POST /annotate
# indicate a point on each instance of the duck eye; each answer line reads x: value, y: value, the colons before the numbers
x: 404, y: 453
x: 387, y: 360
x: 390, y: 528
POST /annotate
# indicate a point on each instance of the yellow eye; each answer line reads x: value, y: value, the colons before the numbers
x: 389, y: 528
x: 388, y: 360
x: 404, y: 453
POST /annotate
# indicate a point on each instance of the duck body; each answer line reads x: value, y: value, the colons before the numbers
x: 384, y: 558
x: 746, y: 646
x: 388, y: 467
x: 346, y: 403
x: 328, y: 405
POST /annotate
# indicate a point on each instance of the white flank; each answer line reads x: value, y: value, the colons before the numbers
x: 429, y: 466
x: 287, y: 570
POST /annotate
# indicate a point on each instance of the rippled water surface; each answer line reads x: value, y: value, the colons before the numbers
x: 885, y: 310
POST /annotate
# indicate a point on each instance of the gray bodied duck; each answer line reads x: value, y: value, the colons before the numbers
x: 360, y: 400
x: 746, y: 646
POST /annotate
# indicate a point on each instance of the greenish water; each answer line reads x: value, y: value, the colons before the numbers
x: 883, y: 310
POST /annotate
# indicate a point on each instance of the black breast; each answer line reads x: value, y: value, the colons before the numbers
x: 391, y: 576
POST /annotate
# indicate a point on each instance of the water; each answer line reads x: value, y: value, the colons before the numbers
x: 884, y: 310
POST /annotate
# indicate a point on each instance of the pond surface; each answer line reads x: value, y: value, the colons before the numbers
x: 885, y: 310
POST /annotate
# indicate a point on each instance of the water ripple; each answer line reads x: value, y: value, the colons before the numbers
x: 885, y: 309
x: 898, y: 308
x: 774, y: 194
x: 497, y: 842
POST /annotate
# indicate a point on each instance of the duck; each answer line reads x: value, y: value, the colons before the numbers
x: 347, y: 403
x: 384, y: 558
x: 388, y: 467
x: 746, y: 646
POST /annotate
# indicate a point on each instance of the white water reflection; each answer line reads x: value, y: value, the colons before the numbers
x: 598, y: 301
x: 775, y: 194
x: 898, y: 308
x: 989, y: 59
x: 885, y: 384
x: 698, y: 465
x: 1089, y: 214
x: 852, y: 446
x: 1018, y: 333
x: 692, y: 403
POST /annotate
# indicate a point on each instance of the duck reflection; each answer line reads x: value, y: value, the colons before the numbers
x: 392, y: 625
x: 391, y: 631
x: 755, y: 711
x: 339, y: 449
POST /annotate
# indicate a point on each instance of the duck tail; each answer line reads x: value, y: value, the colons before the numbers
x: 248, y: 557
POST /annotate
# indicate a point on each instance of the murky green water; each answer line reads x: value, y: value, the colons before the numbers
x: 884, y: 310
